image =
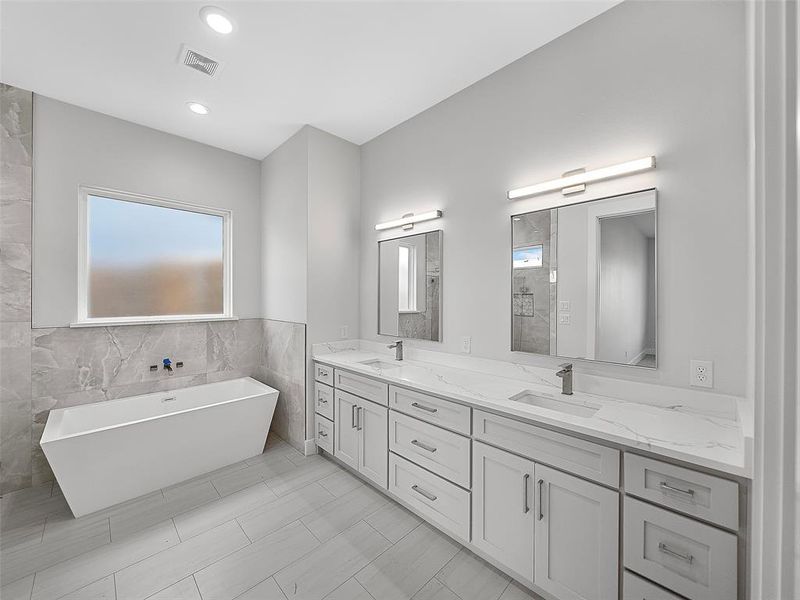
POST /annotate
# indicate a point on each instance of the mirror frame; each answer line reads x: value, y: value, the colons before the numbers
x: 567, y: 204
x: 441, y: 283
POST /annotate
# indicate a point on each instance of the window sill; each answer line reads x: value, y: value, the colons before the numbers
x: 150, y: 321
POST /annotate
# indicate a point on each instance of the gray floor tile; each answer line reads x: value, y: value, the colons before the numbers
x: 472, y: 578
x: 266, y: 590
x: 515, y: 591
x: 349, y: 590
x: 245, y: 568
x: 82, y: 570
x: 185, y: 589
x: 17, y: 590
x: 161, y: 570
x: 216, y: 512
x: 311, y: 471
x: 393, y: 521
x: 435, y: 590
x: 401, y: 571
x: 319, y: 573
x: 99, y: 590
x: 344, y: 512
x: 286, y: 509
x: 340, y: 483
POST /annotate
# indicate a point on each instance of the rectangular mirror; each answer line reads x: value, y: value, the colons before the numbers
x: 409, y: 286
x: 584, y: 280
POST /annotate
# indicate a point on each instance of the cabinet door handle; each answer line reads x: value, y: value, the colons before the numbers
x: 359, y: 419
x: 422, y: 492
x: 540, y: 483
x: 322, y: 433
x: 322, y: 400
x: 353, y: 416
x: 423, y: 446
x: 667, y: 550
x: 425, y: 408
x: 525, y: 508
x: 669, y: 488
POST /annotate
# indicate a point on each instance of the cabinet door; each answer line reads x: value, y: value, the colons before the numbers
x: 373, y: 427
x: 577, y: 537
x: 502, y: 507
x: 346, y: 434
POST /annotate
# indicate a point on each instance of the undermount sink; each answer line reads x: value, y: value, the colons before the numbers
x: 564, y: 405
x: 377, y: 363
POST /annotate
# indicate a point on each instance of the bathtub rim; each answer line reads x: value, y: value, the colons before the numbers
x: 56, y: 415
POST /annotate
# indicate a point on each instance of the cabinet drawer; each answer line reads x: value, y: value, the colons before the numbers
x: 323, y: 400
x: 695, y: 560
x: 443, y: 452
x: 696, y: 494
x: 580, y: 457
x: 323, y: 373
x: 371, y: 389
x: 444, y: 413
x: 324, y: 433
x: 636, y: 588
x: 439, y: 501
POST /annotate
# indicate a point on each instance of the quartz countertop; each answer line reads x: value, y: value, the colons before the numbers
x: 677, y: 431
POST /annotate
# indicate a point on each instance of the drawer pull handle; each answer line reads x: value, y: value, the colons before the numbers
x: 423, y: 446
x: 323, y: 400
x: 525, y: 507
x: 425, y: 408
x: 669, y: 488
x: 322, y: 373
x: 322, y: 433
x: 422, y: 492
x: 353, y: 416
x: 540, y: 483
x: 667, y: 550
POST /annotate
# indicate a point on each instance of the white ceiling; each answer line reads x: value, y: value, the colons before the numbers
x: 354, y: 69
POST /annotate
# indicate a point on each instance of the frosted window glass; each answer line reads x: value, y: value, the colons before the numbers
x: 146, y: 260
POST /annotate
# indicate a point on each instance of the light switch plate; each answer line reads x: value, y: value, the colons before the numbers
x: 563, y: 305
x: 701, y: 373
x: 563, y: 319
x: 466, y: 344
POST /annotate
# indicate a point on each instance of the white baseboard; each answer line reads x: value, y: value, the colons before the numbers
x: 310, y: 447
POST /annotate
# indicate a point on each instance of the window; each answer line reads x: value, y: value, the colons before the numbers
x: 527, y: 256
x: 407, y: 285
x: 146, y: 259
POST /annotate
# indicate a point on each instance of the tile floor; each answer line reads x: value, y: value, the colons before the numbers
x: 280, y: 526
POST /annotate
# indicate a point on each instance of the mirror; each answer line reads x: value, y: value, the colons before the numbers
x: 584, y: 280
x: 409, y: 286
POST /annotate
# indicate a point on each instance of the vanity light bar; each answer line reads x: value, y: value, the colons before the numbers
x: 626, y: 168
x: 409, y: 220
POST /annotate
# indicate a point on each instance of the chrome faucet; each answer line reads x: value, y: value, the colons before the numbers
x: 398, y: 346
x: 566, y: 378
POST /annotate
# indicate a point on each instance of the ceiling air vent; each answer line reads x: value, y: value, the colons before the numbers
x: 199, y: 62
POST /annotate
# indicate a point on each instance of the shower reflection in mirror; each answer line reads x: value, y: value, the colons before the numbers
x: 409, y: 286
x: 584, y: 280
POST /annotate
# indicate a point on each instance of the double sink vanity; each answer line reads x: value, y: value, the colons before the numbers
x: 578, y: 497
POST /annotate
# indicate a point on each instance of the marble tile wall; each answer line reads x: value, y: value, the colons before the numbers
x: 45, y: 369
x: 16, y: 169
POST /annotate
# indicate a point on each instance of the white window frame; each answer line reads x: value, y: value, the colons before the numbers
x: 84, y: 320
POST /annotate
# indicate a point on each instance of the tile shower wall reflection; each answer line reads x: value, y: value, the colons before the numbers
x: 45, y: 369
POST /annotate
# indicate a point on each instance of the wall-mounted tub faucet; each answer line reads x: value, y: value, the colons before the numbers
x: 566, y: 378
x: 398, y: 346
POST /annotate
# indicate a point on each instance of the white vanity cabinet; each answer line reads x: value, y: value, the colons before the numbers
x: 361, y: 438
x: 503, y: 516
x: 576, y: 537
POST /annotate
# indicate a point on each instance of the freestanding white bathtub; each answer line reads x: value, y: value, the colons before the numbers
x: 105, y: 453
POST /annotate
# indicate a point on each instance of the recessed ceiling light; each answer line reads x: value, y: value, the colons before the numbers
x: 197, y: 108
x: 217, y: 19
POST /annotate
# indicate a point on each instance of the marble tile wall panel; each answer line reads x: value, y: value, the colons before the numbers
x: 16, y: 168
x: 284, y: 368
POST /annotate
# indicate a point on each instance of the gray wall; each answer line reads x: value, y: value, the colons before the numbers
x: 632, y: 82
x: 75, y: 146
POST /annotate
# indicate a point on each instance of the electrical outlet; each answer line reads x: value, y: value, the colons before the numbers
x: 701, y: 373
x: 563, y: 319
x: 563, y: 305
x: 466, y: 344
x: 344, y: 331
